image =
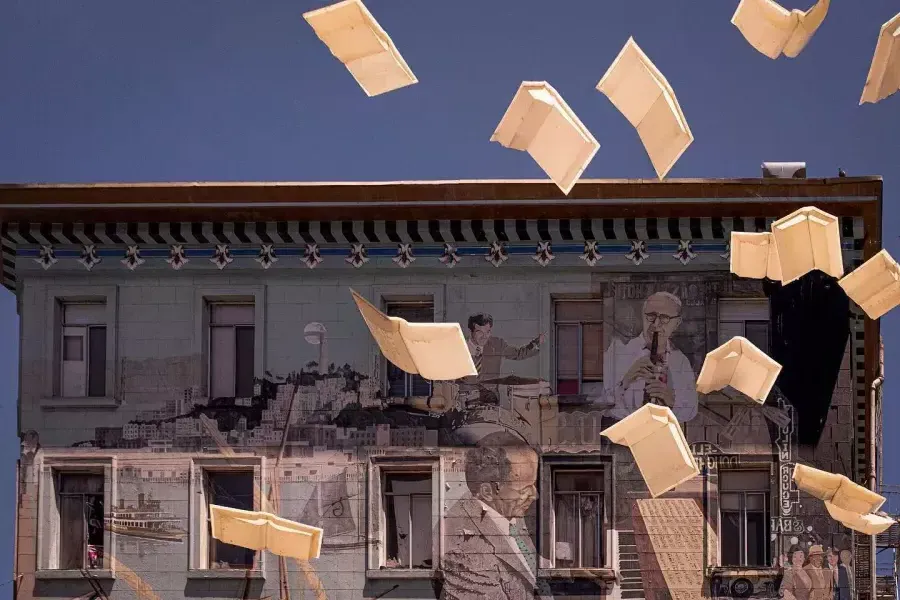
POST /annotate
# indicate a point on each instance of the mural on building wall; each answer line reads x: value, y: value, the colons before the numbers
x: 816, y: 573
x: 490, y: 549
x: 647, y: 366
x: 496, y: 425
x: 144, y: 520
x: 494, y: 400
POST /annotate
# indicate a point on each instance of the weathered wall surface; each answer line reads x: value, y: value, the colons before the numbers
x: 341, y: 425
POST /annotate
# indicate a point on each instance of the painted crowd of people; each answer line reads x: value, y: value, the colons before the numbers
x: 815, y: 574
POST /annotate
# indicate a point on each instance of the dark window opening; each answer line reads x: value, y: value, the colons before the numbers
x: 408, y: 526
x: 232, y: 490
x: 400, y: 383
x: 578, y: 519
x: 81, y: 524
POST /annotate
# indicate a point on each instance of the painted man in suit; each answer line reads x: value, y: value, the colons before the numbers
x: 839, y: 575
x: 488, y: 352
x: 847, y: 563
x: 822, y: 586
x: 489, y: 554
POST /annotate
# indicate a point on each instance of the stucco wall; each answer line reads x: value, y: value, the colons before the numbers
x: 158, y: 368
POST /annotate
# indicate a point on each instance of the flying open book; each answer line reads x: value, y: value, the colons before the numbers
x: 849, y: 503
x: 773, y: 30
x: 540, y: 122
x: 265, y: 531
x: 357, y: 40
x: 869, y: 524
x: 659, y: 447
x: 755, y: 255
x: 436, y: 351
x: 884, y: 72
x: 874, y: 285
x: 638, y: 89
x: 741, y: 365
x: 808, y: 239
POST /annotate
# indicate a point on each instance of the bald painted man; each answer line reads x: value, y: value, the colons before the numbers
x: 671, y: 382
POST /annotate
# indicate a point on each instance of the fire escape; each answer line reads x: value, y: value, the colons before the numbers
x: 887, y: 558
x: 887, y: 544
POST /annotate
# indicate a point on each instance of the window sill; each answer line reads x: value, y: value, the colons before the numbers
x: 403, y: 399
x: 402, y: 574
x: 225, y: 574
x: 62, y: 403
x: 72, y: 574
x: 423, y: 402
x: 600, y: 574
x: 743, y: 571
x: 594, y: 402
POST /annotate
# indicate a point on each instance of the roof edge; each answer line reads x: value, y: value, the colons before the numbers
x: 434, y: 182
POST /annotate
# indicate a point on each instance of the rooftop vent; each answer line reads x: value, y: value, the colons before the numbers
x: 784, y: 170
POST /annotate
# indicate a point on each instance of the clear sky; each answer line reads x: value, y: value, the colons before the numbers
x: 175, y: 90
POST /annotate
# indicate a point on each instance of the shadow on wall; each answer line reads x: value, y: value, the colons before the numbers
x: 68, y: 588
x: 810, y: 329
x: 224, y: 588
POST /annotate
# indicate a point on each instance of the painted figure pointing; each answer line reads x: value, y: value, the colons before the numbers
x: 488, y: 352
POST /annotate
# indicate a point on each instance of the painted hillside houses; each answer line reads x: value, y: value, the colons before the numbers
x: 189, y: 344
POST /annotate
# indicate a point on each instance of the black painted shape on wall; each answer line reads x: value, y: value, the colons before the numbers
x: 810, y: 328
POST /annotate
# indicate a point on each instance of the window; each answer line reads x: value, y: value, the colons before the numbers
x: 575, y: 511
x: 744, y: 518
x: 400, y: 383
x: 406, y: 530
x: 407, y: 516
x: 232, y: 489
x: 578, y: 519
x: 747, y: 318
x: 83, y: 345
x: 80, y: 347
x: 579, y: 346
x: 72, y: 533
x: 81, y: 527
x: 231, y: 350
x: 233, y: 482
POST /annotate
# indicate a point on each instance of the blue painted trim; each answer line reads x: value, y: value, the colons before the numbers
x: 432, y: 250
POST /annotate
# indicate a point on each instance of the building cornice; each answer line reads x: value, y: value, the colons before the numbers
x: 486, y: 199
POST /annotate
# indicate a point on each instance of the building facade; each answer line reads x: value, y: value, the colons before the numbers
x: 183, y: 345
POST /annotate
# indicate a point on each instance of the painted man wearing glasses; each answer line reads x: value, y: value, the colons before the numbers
x: 639, y: 377
x: 490, y: 554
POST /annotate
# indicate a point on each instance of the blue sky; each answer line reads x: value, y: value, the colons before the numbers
x: 236, y: 90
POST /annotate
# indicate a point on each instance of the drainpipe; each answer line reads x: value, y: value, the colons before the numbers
x: 15, y: 583
x: 873, y: 478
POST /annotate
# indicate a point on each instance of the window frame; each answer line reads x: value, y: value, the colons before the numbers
x: 233, y: 327
x: 48, y: 517
x: 60, y: 495
x: 385, y: 476
x: 556, y: 323
x: 408, y: 385
x: 213, y: 497
x: 198, y: 528
x: 554, y: 519
x: 56, y: 299
x: 747, y: 306
x: 238, y: 294
x: 85, y: 348
x: 767, y: 515
x: 376, y: 521
x: 382, y: 296
x: 551, y: 464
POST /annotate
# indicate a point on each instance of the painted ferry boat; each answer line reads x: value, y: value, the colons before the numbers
x: 147, y: 521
